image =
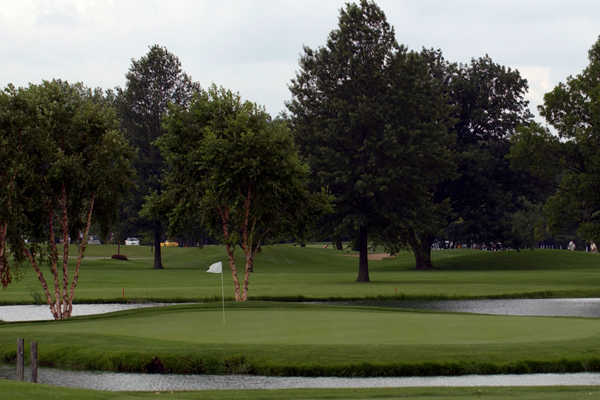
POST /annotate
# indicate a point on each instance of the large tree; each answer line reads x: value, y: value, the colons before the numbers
x: 235, y: 171
x: 570, y: 156
x: 153, y: 82
x: 491, y: 105
x: 338, y: 117
x: 71, y: 163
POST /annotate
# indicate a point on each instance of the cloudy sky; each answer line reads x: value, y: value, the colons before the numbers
x: 253, y: 46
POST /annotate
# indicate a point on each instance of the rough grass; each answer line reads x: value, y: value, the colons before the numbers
x: 287, y: 272
x: 289, y: 339
x: 28, y: 391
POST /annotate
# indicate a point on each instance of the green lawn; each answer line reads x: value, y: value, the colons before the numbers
x: 27, y: 391
x: 291, y: 339
x: 287, y: 271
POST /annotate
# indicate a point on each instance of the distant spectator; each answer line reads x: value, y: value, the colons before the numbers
x: 571, y: 245
x: 593, y: 247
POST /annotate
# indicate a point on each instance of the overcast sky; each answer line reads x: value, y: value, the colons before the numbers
x: 253, y: 46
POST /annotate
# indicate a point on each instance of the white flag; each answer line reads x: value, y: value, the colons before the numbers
x: 216, y: 268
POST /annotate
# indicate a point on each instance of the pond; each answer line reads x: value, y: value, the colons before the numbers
x: 146, y: 382
x: 588, y: 307
x: 32, y: 312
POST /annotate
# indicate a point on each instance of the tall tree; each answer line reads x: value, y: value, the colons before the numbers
x: 338, y: 117
x: 76, y: 164
x: 491, y: 105
x: 235, y: 171
x: 423, y: 116
x: 153, y: 82
x: 573, y: 157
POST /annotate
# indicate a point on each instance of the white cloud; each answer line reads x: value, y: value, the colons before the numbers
x: 540, y: 82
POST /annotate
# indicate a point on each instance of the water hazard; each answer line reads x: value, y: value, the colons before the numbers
x: 145, y: 382
x: 533, y: 307
x: 589, y: 307
x: 42, y: 312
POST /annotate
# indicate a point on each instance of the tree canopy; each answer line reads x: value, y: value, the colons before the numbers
x: 70, y: 162
x: 234, y: 170
x: 571, y: 160
x: 153, y: 82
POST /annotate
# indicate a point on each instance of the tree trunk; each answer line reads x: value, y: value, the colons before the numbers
x: 5, y: 277
x: 234, y: 274
x: 82, y: 246
x: 224, y: 214
x: 363, y: 258
x: 157, y: 250
x: 422, y: 250
x: 338, y: 244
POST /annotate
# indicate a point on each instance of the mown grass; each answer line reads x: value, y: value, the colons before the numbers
x: 27, y: 391
x: 296, y: 339
x: 291, y: 272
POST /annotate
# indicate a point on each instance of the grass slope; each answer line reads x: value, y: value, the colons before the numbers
x: 28, y: 391
x: 288, y: 339
x: 287, y: 272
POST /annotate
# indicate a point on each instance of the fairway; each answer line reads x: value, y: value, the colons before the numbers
x: 292, y: 272
x: 258, y: 336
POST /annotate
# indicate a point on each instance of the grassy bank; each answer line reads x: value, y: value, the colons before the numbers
x: 27, y: 391
x: 290, y: 272
x: 287, y: 339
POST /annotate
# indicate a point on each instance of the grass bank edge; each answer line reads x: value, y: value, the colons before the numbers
x: 547, y: 294
x: 24, y: 390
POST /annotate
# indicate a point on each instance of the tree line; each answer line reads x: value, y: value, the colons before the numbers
x: 379, y: 145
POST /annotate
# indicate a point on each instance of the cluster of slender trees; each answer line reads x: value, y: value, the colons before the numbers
x: 380, y: 144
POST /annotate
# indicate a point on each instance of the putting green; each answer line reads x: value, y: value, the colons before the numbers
x: 318, y: 339
x: 325, y: 325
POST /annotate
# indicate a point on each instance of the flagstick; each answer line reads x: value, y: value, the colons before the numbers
x: 223, y: 296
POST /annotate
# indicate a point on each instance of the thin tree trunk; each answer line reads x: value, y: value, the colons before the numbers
x: 5, y: 277
x: 65, y: 263
x: 157, y: 250
x: 363, y: 258
x: 224, y: 214
x: 54, y: 264
x: 246, y: 246
x: 82, y: 247
x: 40, y: 275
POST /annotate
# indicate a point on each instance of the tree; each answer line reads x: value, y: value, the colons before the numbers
x: 338, y: 117
x: 422, y: 116
x: 153, y: 82
x: 571, y: 159
x: 76, y: 164
x: 234, y: 170
x: 491, y: 105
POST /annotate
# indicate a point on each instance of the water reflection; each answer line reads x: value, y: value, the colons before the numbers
x: 541, y: 307
x: 144, y: 382
x: 42, y: 312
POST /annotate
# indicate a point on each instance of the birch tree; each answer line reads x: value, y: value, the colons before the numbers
x: 75, y: 162
x: 235, y: 171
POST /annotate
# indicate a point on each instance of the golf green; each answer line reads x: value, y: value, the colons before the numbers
x: 258, y: 336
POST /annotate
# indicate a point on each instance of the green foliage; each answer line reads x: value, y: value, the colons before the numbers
x: 372, y: 121
x: 220, y: 151
x: 154, y: 82
x: 570, y: 161
x: 491, y: 105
